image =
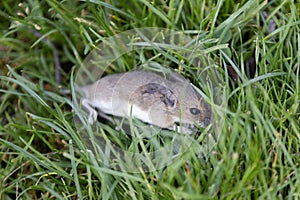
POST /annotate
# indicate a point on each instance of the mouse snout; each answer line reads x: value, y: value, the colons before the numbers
x: 206, y: 116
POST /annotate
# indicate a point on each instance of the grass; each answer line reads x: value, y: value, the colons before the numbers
x: 42, y: 154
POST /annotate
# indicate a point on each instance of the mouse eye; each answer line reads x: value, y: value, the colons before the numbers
x: 195, y: 111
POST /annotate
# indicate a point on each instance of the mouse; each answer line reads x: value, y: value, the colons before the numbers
x: 164, y: 100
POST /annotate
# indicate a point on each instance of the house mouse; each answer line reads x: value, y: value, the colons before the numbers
x: 149, y: 97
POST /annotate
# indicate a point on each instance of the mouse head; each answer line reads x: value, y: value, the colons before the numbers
x: 191, y: 108
x: 180, y: 101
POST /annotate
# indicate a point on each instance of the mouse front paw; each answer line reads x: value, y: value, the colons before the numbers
x: 92, y: 112
x: 182, y: 129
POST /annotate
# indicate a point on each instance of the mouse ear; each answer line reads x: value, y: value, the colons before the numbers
x: 167, y: 96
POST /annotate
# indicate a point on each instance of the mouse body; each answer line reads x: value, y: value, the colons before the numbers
x: 148, y: 96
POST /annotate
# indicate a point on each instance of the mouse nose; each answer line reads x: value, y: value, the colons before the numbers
x: 207, y: 117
